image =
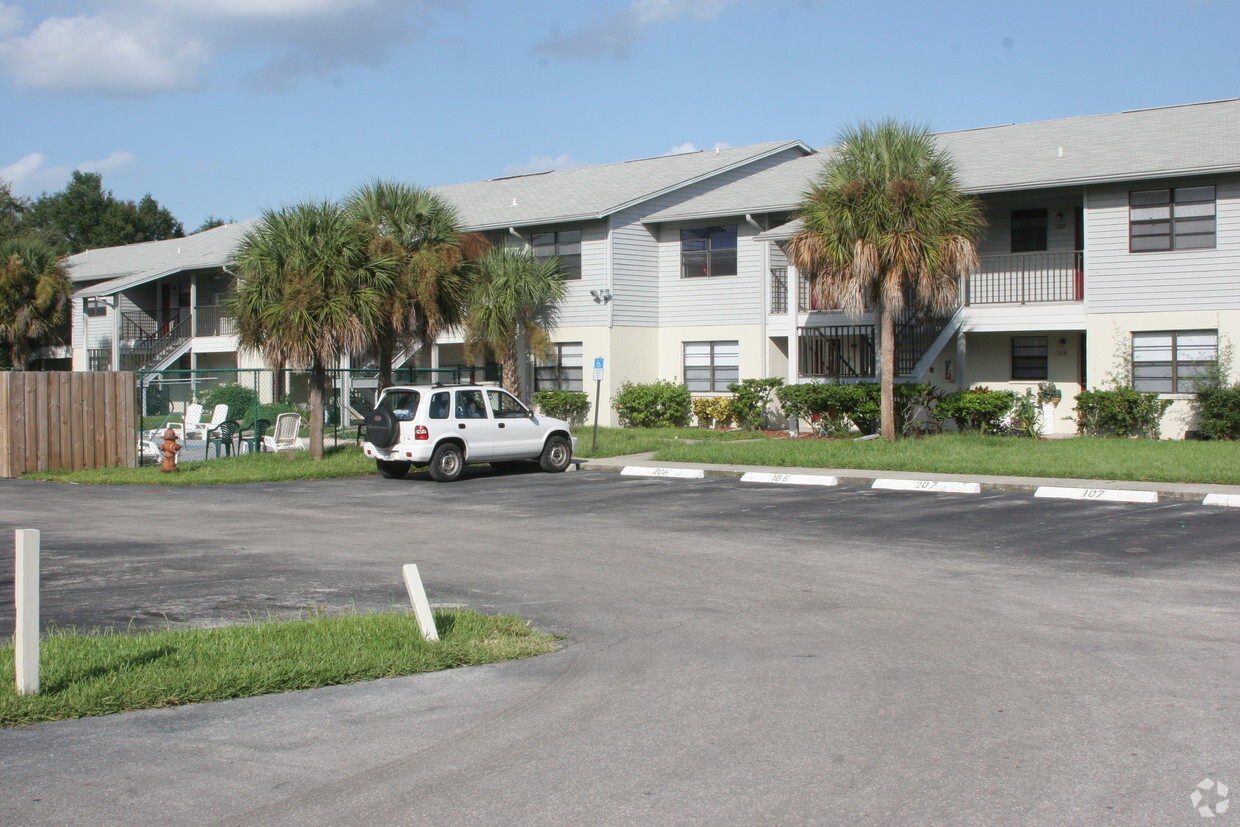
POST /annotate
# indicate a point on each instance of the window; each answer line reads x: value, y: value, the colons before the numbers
x: 564, y: 245
x: 402, y: 404
x: 94, y: 307
x: 505, y: 406
x: 1172, y: 361
x: 440, y: 405
x: 469, y: 405
x: 1028, y: 231
x: 1029, y: 357
x: 565, y: 372
x: 712, y: 366
x: 1171, y: 219
x: 708, y: 251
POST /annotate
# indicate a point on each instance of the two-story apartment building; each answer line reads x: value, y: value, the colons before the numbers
x: 1113, y: 240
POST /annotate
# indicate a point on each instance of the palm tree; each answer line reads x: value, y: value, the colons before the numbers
x: 309, y: 291
x: 513, y: 304
x: 885, y: 222
x: 34, y: 294
x: 422, y: 232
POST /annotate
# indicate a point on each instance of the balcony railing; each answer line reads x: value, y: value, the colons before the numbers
x: 847, y: 351
x: 1026, y: 278
x: 211, y: 320
x: 806, y: 299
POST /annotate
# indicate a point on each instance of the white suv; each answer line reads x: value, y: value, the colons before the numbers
x: 444, y: 427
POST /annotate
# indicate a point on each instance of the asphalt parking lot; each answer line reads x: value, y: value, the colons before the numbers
x: 735, y: 653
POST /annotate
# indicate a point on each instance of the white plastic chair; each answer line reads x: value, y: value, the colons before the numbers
x: 199, y: 428
x: 284, y: 436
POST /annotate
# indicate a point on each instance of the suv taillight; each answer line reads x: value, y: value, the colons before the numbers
x: 420, y: 432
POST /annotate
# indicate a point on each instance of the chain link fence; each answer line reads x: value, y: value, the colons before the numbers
x: 189, y: 402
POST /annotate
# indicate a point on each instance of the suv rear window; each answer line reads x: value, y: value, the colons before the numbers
x: 402, y: 404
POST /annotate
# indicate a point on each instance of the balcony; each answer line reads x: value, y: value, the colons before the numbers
x: 1026, y: 278
x: 211, y: 320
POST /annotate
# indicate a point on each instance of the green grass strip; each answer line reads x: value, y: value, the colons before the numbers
x: 1145, y: 460
x: 98, y: 673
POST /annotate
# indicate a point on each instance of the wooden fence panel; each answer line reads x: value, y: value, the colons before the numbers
x: 67, y: 420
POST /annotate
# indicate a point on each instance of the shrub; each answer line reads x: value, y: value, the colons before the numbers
x: 572, y: 406
x: 1026, y: 416
x: 977, y: 409
x: 752, y: 397
x: 1218, y: 412
x: 239, y: 399
x: 713, y: 409
x: 834, y: 409
x: 1120, y: 412
x: 656, y: 405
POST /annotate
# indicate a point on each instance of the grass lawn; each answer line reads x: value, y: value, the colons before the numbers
x: 1083, y: 457
x: 97, y: 673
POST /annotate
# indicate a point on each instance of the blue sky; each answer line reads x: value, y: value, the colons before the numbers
x: 228, y: 107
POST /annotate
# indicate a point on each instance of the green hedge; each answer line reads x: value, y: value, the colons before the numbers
x: 1120, y: 412
x: 977, y: 409
x: 1218, y: 412
x: 572, y: 406
x: 654, y: 405
x: 835, y: 409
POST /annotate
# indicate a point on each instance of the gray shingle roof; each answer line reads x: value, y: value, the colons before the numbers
x: 593, y: 192
x: 1142, y: 144
x: 137, y: 263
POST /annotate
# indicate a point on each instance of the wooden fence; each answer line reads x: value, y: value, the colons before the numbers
x: 67, y: 420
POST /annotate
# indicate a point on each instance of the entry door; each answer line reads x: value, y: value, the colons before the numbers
x: 472, y: 423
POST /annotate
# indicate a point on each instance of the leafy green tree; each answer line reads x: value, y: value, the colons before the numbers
x: 309, y: 291
x: 422, y: 232
x: 885, y: 223
x: 210, y: 223
x: 85, y: 216
x: 512, y: 307
x: 12, y: 208
x: 34, y: 296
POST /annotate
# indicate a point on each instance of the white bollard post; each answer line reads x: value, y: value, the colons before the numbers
x: 26, y: 601
x: 421, y: 606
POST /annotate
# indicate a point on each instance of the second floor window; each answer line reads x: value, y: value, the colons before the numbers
x: 564, y: 245
x: 708, y: 251
x: 1171, y: 219
x: 1028, y: 231
x: 95, y: 307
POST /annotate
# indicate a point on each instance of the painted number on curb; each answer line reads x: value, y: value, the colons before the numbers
x: 787, y: 479
x: 1114, y: 495
x: 934, y: 486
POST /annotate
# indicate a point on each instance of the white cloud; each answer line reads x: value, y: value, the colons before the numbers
x: 617, y: 37
x: 31, y: 175
x: 688, y: 146
x: 138, y: 48
x: 543, y: 163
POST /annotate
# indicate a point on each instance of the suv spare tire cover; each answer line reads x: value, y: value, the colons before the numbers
x: 382, y: 428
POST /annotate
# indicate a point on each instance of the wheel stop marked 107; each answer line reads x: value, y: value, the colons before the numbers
x: 1100, y: 494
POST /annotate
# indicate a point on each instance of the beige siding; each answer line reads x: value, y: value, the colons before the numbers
x: 1117, y: 281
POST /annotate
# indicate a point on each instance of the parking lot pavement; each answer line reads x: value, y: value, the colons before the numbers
x: 736, y: 653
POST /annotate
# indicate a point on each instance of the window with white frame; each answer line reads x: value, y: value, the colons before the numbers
x: 712, y: 366
x: 564, y: 371
x: 708, y: 251
x: 94, y: 307
x: 564, y: 245
x: 1172, y: 361
x: 1182, y: 218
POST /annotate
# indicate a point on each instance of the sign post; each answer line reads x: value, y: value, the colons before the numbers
x: 598, y: 387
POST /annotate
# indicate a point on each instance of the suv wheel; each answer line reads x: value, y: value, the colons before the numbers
x: 392, y: 470
x: 556, y: 455
x: 446, y: 463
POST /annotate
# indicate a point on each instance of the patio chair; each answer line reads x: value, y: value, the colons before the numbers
x: 285, y: 437
x: 252, y: 440
x: 223, y: 434
x: 217, y: 416
x: 175, y: 421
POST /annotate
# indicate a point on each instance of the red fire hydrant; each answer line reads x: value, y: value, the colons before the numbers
x: 169, y: 450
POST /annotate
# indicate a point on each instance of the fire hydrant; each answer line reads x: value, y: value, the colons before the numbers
x: 169, y: 450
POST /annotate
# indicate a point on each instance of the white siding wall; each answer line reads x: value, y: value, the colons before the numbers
x: 716, y: 299
x: 578, y: 307
x: 1117, y: 281
x: 1060, y: 235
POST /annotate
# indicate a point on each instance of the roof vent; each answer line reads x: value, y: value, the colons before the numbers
x: 1060, y: 152
x: 514, y: 202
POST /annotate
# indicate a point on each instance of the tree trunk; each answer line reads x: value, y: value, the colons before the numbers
x: 318, y: 383
x: 512, y: 376
x: 887, y: 371
x: 386, y: 347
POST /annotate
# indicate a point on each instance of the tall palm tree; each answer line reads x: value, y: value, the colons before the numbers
x: 512, y: 307
x: 34, y: 295
x: 422, y: 232
x: 309, y: 290
x: 885, y: 222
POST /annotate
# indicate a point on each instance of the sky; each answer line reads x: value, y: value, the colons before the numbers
x: 226, y: 108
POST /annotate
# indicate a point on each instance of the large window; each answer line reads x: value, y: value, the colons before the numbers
x: 708, y: 251
x: 1172, y: 361
x: 1028, y: 231
x: 95, y: 307
x: 564, y: 372
x: 1029, y: 357
x: 1171, y: 219
x: 712, y: 366
x: 564, y: 245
